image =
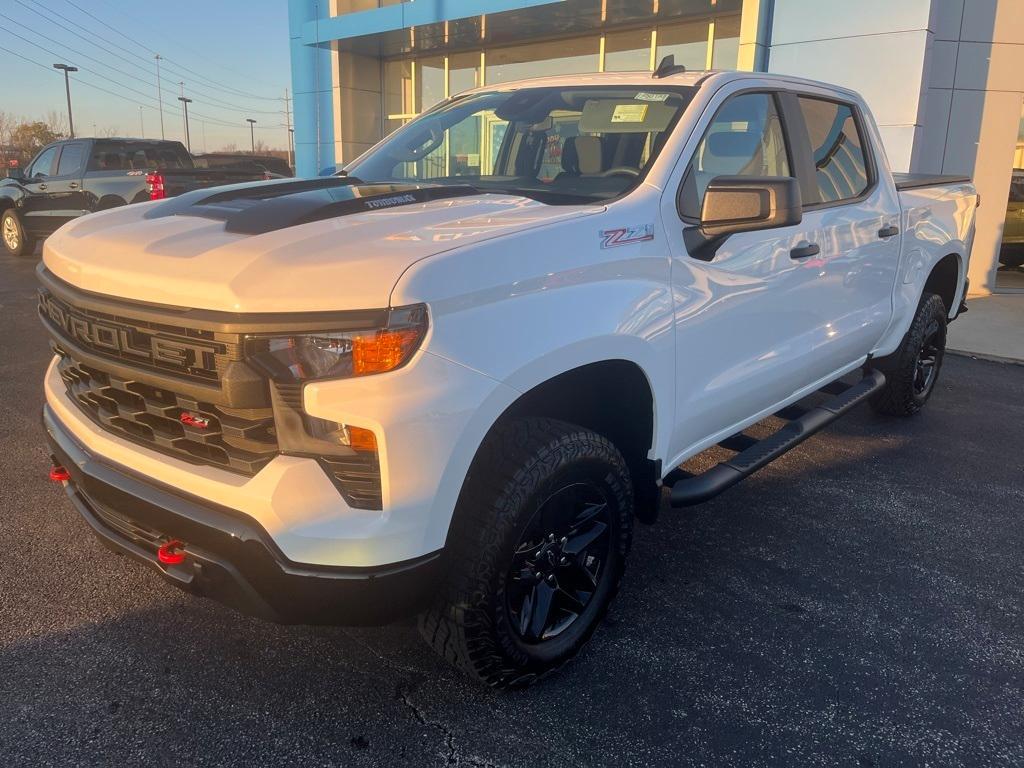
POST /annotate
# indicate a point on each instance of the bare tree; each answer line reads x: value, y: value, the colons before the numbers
x: 57, y: 122
x: 109, y: 132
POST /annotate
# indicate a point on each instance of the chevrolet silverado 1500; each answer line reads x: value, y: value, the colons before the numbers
x: 447, y: 380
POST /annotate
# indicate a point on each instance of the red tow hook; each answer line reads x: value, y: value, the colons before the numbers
x: 171, y: 553
x: 58, y: 474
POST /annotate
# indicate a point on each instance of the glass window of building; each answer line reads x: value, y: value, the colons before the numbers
x: 688, y: 42
x: 726, y: 51
x: 839, y: 161
x: 627, y: 51
x: 1010, y: 272
x: 463, y: 72
x: 398, y: 88
x: 745, y: 138
x: 565, y: 57
x: 430, y: 85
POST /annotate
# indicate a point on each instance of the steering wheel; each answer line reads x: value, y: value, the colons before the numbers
x: 620, y: 170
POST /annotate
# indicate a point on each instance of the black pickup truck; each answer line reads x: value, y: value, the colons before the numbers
x: 73, y: 177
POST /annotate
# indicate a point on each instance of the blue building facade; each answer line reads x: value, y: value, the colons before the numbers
x: 361, y: 68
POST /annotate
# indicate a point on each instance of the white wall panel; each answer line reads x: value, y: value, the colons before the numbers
x: 801, y: 20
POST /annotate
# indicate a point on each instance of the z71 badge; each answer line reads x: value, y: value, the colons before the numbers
x: 626, y: 235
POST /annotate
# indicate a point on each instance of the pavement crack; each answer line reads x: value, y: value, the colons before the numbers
x: 451, y: 756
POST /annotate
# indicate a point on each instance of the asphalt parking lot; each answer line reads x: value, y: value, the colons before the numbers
x: 860, y: 602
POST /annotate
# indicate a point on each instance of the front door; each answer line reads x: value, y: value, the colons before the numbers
x: 33, y: 210
x: 65, y: 199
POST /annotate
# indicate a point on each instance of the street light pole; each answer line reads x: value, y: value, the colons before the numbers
x: 252, y: 133
x: 67, y: 89
x: 185, y: 102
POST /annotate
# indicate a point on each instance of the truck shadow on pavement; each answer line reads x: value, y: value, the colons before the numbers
x: 858, y: 602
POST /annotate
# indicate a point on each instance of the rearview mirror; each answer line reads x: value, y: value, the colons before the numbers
x: 742, y: 204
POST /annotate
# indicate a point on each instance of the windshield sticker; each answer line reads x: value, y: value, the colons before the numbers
x: 629, y: 113
x: 642, y: 96
x: 640, y: 233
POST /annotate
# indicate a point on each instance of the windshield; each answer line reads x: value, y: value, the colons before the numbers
x: 556, y: 144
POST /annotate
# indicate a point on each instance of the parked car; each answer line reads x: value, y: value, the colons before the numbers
x: 1011, y: 252
x: 276, y: 166
x: 70, y: 178
x: 346, y: 400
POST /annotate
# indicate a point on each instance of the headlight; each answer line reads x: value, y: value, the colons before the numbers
x: 306, y: 357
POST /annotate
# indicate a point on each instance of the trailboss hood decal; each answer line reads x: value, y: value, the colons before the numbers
x: 297, y: 246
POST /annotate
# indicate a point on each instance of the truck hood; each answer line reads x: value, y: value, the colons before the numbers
x: 284, y: 248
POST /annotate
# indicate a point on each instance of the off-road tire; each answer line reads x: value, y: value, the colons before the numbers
x: 900, y: 396
x: 11, y: 229
x: 517, y: 469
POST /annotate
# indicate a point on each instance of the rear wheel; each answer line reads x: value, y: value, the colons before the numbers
x: 911, y: 371
x: 13, y: 236
x: 535, y: 554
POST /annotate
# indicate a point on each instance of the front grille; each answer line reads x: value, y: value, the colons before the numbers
x: 188, y: 353
x: 241, y: 441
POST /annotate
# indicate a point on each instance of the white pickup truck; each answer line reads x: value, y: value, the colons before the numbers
x: 445, y: 381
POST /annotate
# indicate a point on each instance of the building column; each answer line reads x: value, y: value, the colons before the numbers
x: 975, y: 93
x: 313, y: 85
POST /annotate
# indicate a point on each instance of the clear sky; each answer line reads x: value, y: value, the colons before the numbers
x: 231, y: 54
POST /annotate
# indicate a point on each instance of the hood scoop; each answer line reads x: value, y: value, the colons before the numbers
x: 255, y: 209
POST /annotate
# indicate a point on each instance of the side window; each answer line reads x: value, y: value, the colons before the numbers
x: 43, y: 165
x: 70, y: 159
x: 840, y: 167
x: 744, y: 139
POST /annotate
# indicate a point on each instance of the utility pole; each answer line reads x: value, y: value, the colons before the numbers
x: 159, y: 96
x: 67, y: 89
x: 181, y: 93
x: 252, y: 133
x: 188, y: 141
x: 288, y: 125
x: 142, y: 126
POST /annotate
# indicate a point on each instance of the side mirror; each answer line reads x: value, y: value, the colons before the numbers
x: 16, y: 173
x: 742, y: 204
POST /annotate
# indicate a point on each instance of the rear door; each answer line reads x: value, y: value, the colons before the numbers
x: 852, y: 214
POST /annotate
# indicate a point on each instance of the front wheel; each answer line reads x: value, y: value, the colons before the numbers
x: 15, y: 240
x: 912, y: 370
x: 535, y: 554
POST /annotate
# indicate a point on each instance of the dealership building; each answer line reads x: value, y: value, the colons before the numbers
x: 944, y: 78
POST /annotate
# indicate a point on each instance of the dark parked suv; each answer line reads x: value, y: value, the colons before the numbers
x: 73, y: 177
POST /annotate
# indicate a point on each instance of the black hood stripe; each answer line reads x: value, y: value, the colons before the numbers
x: 255, y: 209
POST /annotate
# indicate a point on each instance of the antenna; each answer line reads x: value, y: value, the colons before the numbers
x: 668, y: 67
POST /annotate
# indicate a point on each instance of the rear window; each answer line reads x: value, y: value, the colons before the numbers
x: 840, y: 165
x: 137, y: 156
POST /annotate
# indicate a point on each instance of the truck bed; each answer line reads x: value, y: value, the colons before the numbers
x: 918, y: 180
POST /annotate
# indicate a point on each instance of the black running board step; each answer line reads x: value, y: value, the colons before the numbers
x: 699, y: 488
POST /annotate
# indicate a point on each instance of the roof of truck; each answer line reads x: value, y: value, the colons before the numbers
x: 647, y: 79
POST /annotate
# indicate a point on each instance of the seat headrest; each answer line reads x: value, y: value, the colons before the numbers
x: 582, y: 155
x: 740, y: 144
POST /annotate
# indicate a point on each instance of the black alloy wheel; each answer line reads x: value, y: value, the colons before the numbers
x: 559, y: 562
x: 928, y: 359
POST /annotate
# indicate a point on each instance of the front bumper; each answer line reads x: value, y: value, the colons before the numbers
x: 229, y: 558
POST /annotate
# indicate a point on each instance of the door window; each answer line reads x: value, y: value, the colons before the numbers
x: 43, y: 165
x: 744, y: 139
x: 70, y: 159
x: 840, y: 167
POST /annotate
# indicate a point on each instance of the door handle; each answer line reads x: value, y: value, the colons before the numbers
x: 73, y: 185
x: 42, y: 186
x: 803, y: 251
x: 888, y: 231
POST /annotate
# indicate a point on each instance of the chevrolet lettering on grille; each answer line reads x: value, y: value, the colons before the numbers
x: 104, y: 336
